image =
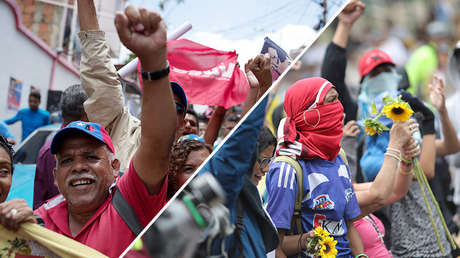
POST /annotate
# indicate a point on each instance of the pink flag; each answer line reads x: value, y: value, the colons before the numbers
x: 208, y: 76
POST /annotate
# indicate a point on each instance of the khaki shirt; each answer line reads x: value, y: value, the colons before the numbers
x: 105, y: 103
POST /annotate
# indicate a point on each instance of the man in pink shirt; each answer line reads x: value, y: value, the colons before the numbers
x: 87, y: 171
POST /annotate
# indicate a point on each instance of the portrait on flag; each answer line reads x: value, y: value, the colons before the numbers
x: 279, y: 59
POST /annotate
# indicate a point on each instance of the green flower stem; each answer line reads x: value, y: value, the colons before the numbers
x: 378, y: 116
x: 418, y: 172
x: 311, y: 245
x: 443, y: 221
x: 422, y: 181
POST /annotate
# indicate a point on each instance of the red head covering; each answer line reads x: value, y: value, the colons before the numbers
x: 312, y: 128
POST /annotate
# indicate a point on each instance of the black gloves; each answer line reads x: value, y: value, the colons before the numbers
x: 424, y: 115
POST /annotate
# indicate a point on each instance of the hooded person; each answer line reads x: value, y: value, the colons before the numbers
x: 379, y: 77
x: 378, y: 74
x: 311, y: 134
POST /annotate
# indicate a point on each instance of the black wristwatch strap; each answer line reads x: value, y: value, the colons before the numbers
x: 151, y: 76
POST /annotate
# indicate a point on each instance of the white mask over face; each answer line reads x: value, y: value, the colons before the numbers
x: 372, y: 87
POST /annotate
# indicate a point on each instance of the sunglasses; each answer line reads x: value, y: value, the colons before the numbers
x: 264, y: 162
x: 180, y: 109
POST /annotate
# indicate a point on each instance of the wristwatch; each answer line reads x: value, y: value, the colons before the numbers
x: 156, y: 75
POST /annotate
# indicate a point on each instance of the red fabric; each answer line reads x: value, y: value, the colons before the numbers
x: 208, y: 76
x: 317, y: 128
x: 372, y: 59
x: 106, y: 231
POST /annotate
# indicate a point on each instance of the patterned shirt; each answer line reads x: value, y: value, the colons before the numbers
x: 328, y: 198
x: 412, y: 234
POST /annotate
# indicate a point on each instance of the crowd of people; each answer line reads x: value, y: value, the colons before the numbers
x: 101, y: 165
x: 107, y: 172
x: 325, y: 171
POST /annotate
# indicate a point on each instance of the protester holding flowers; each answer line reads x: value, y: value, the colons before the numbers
x: 311, y: 134
x: 409, y: 216
x: 416, y: 208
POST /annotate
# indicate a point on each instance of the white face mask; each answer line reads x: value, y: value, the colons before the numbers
x: 372, y: 87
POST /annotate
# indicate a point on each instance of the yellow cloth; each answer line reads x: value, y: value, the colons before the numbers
x: 56, y: 244
x: 268, y: 116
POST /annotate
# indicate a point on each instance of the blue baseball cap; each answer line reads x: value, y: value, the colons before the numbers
x: 91, y: 129
x: 193, y: 137
x: 179, y: 91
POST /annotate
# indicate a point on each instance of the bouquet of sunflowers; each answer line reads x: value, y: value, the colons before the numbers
x: 325, y: 242
x: 395, y: 109
x: 400, y: 111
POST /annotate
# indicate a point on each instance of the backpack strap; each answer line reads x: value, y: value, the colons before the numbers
x: 343, y: 155
x: 298, y: 201
x: 128, y: 215
x: 126, y: 212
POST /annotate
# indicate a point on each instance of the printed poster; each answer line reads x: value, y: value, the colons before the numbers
x: 14, y: 94
x: 279, y: 59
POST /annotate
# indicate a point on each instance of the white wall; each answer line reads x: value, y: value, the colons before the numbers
x: 106, y: 15
x: 24, y: 60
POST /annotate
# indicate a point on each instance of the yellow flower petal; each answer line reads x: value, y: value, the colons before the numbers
x: 371, y: 131
x: 398, y: 112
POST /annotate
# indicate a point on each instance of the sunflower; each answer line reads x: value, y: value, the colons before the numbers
x: 319, y: 231
x: 399, y: 111
x: 369, y: 130
x: 328, y: 247
x: 373, y: 126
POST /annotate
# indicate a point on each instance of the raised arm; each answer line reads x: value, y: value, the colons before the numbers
x: 347, y: 18
x: 98, y: 76
x: 214, y: 124
x: 259, y: 77
x: 335, y: 59
x: 404, y: 178
x: 372, y: 196
x: 233, y: 160
x: 144, y: 33
x: 449, y: 144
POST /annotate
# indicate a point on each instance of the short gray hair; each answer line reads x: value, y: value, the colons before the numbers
x: 72, y: 100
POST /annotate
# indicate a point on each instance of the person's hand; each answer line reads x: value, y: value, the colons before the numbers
x: 410, y: 150
x: 11, y: 141
x: 260, y: 67
x: 351, y: 12
x: 437, y: 95
x: 351, y: 129
x: 306, y: 238
x: 252, y: 79
x: 144, y: 33
x: 427, y: 117
x: 15, y: 212
x: 401, y: 133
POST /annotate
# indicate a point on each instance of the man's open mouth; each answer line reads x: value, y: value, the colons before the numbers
x: 79, y: 182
